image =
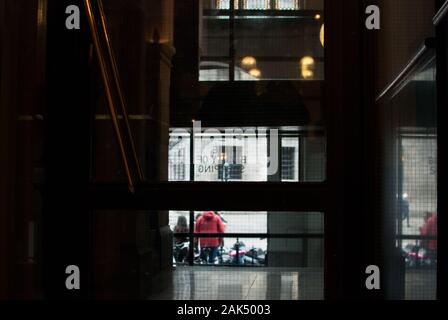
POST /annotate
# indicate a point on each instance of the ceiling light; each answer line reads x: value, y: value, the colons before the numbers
x: 249, y: 61
x: 322, y: 35
x: 255, y: 72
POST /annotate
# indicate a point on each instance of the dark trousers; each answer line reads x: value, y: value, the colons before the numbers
x: 212, y: 253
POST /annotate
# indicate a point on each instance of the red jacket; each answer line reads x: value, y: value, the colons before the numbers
x: 209, y: 222
x: 430, y: 229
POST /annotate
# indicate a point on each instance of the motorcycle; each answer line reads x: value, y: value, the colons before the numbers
x: 256, y: 257
x: 418, y: 256
x: 240, y: 255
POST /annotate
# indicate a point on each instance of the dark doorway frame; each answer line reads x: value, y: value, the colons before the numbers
x: 344, y: 196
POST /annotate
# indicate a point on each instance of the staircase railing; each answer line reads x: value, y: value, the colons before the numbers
x: 111, y: 80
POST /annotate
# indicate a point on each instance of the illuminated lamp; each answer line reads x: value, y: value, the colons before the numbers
x: 249, y: 61
x: 306, y: 67
x: 255, y: 72
x: 322, y: 35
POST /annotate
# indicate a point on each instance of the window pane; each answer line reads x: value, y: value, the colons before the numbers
x: 281, y: 47
x: 247, y: 154
x: 284, y: 250
x: 214, y: 47
x: 411, y: 185
x: 212, y: 69
x: 256, y: 4
x: 262, y: 40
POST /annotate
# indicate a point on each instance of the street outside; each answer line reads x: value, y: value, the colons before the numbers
x: 237, y: 222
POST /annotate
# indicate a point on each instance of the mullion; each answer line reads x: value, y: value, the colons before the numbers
x: 232, y: 41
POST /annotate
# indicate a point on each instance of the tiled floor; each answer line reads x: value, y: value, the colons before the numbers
x: 421, y: 284
x: 227, y: 283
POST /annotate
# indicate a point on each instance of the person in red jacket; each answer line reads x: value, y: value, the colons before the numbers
x: 209, y: 222
x: 430, y: 229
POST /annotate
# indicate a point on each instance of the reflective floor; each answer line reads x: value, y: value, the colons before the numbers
x: 421, y: 284
x: 225, y: 283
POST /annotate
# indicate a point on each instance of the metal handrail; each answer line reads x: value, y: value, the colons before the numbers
x: 120, y: 94
x: 112, y: 85
x: 426, y: 50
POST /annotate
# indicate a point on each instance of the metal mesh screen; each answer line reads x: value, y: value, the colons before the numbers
x: 410, y: 181
x: 260, y: 255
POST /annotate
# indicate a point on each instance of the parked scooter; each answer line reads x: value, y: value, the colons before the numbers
x: 256, y: 257
x: 240, y: 255
x: 416, y: 256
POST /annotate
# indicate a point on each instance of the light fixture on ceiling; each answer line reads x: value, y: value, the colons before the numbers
x: 307, y: 61
x: 255, y: 72
x: 307, y: 74
x: 322, y: 35
x: 307, y: 64
x: 249, y: 61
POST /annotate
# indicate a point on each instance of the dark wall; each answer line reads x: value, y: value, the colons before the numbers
x: 22, y: 71
x: 404, y: 26
x: 67, y: 131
